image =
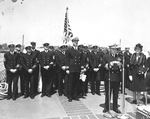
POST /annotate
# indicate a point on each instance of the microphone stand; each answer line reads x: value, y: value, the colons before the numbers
x: 123, y: 115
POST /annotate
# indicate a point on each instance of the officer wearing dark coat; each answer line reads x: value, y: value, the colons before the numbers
x: 61, y: 68
x: 36, y: 72
x: 11, y: 63
x: 113, y: 76
x: 20, y: 69
x: 96, y: 63
x: 29, y: 64
x: 46, y: 63
x: 73, y: 61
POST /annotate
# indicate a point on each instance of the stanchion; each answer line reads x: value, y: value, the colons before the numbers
x: 124, y: 115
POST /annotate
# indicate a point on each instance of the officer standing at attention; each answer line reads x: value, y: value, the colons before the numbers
x: 46, y: 63
x: 18, y: 50
x: 73, y: 61
x: 113, y: 66
x: 96, y: 62
x: 61, y: 70
x: 36, y: 72
x: 29, y: 63
x: 11, y: 62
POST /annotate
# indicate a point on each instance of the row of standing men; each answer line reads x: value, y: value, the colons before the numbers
x: 69, y: 69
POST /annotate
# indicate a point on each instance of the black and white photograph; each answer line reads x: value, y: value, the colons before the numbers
x: 74, y: 59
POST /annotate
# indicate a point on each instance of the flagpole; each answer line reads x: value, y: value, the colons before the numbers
x: 22, y: 42
x: 67, y: 24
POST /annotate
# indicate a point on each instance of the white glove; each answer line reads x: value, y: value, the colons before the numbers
x: 130, y: 78
x: 51, y: 63
x: 30, y: 70
x: 46, y: 67
x: 68, y: 72
x: 99, y: 65
x: 106, y: 66
x: 13, y: 70
x: 96, y: 69
x: 82, y: 71
x: 18, y: 66
x: 63, y: 67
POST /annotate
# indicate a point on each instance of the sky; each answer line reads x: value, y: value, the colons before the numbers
x: 96, y: 22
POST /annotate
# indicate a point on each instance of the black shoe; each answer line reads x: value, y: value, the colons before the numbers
x: 48, y: 95
x: 8, y: 97
x: 117, y: 111
x: 105, y: 110
x: 25, y: 96
x: 76, y: 98
x: 60, y: 94
x: 32, y: 96
x: 69, y: 100
x: 93, y: 93
x: 43, y: 95
x: 98, y: 93
x: 14, y: 98
x: 84, y: 94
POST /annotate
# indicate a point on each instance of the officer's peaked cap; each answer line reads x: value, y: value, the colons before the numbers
x: 18, y: 45
x: 75, y: 39
x: 28, y: 47
x: 46, y: 44
x: 11, y: 45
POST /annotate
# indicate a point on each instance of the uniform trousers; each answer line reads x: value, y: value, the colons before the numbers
x: 61, y: 78
x: 12, y: 79
x: 93, y: 81
x: 45, y: 77
x: 29, y: 84
x: 114, y: 87
x: 73, y: 84
x: 22, y: 81
x: 36, y: 79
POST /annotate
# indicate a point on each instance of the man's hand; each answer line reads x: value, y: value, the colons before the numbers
x: 17, y: 66
x: 99, y: 65
x: 30, y: 70
x: 52, y: 63
x: 106, y: 66
x: 130, y: 78
x: 68, y: 72
x: 83, y: 70
x: 13, y: 70
x: 96, y: 69
x: 46, y: 67
x: 63, y: 67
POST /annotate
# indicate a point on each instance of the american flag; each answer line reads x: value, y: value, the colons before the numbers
x: 67, y: 30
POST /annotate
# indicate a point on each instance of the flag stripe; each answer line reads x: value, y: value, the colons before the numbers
x: 67, y: 30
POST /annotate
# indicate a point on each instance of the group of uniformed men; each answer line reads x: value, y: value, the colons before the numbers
x: 68, y: 69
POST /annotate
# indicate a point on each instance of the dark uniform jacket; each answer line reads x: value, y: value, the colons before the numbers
x: 60, y: 58
x: 114, y: 71
x: 45, y: 58
x: 36, y: 54
x: 96, y: 59
x: 11, y: 60
x: 29, y: 61
x: 73, y: 60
